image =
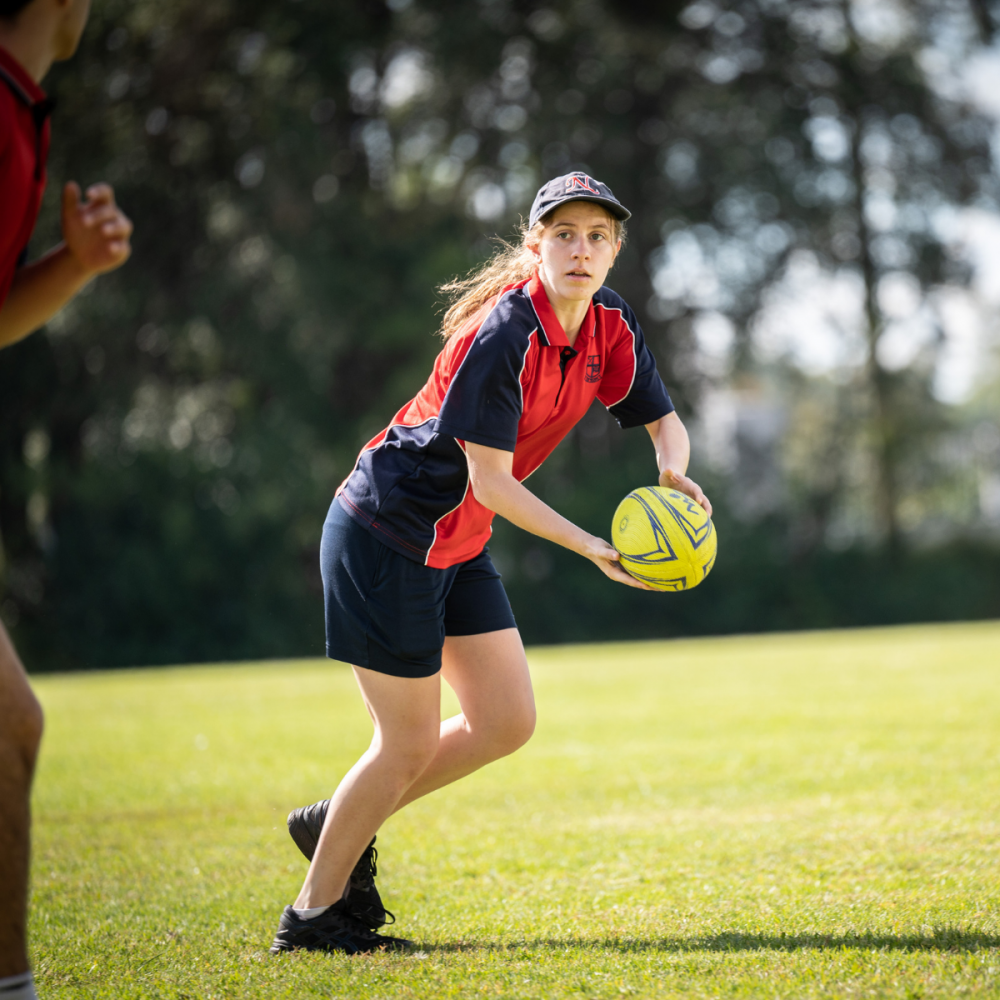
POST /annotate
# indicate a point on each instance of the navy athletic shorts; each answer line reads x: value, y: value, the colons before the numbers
x: 391, y: 614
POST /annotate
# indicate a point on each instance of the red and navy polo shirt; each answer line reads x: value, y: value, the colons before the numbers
x: 24, y: 147
x: 509, y: 380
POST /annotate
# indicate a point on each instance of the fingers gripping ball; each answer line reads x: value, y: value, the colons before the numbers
x: 665, y: 539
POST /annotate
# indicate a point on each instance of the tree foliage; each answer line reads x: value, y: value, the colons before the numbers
x: 302, y: 176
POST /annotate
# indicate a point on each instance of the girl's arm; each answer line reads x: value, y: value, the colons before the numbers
x: 494, y: 486
x: 673, y: 449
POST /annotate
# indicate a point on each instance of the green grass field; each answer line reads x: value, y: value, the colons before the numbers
x: 776, y: 816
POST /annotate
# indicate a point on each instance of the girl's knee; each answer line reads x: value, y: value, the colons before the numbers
x: 508, y: 732
x: 409, y: 756
x: 521, y: 727
x: 424, y: 750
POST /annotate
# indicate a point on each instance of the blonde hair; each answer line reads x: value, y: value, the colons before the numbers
x: 512, y: 263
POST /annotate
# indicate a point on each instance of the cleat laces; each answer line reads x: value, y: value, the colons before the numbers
x: 363, y: 876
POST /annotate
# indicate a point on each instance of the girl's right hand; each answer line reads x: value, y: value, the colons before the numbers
x: 494, y: 486
x: 607, y: 559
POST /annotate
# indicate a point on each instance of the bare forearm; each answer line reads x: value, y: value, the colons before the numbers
x: 516, y: 503
x: 39, y: 291
x: 673, y: 449
x: 495, y: 487
x: 670, y: 439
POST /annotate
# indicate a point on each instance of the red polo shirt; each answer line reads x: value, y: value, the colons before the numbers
x: 24, y: 146
x: 509, y: 380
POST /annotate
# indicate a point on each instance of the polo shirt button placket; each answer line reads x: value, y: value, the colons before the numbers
x: 565, y: 356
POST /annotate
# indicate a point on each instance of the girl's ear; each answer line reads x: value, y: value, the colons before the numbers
x: 536, y: 250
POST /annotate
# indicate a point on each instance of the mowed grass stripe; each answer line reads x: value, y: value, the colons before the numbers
x: 788, y: 816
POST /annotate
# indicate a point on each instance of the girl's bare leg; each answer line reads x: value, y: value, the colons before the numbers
x: 406, y: 712
x: 489, y: 674
x: 412, y: 753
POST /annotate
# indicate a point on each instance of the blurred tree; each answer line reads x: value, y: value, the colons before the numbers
x: 302, y: 176
x: 853, y: 144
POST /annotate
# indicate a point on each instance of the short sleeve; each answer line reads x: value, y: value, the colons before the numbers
x: 483, y: 403
x: 631, y: 387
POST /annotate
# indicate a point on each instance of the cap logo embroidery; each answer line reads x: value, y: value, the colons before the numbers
x: 584, y: 182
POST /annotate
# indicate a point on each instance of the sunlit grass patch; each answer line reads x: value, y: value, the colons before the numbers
x: 795, y: 815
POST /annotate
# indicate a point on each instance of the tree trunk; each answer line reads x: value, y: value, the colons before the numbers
x: 984, y: 21
x: 882, y: 421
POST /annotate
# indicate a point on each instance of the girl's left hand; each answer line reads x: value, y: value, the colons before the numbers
x: 607, y: 560
x: 677, y: 481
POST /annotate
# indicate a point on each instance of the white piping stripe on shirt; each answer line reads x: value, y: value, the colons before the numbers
x: 465, y: 493
x: 524, y: 363
x: 373, y: 447
x: 635, y: 358
x: 541, y: 325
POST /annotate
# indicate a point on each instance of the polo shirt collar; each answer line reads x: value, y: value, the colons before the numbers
x: 548, y: 323
x: 17, y: 78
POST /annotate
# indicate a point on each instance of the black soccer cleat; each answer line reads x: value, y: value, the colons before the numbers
x: 305, y: 825
x: 334, y: 930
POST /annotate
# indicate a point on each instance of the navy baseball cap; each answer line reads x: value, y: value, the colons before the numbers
x: 576, y: 186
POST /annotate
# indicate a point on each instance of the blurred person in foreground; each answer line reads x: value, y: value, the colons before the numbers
x: 411, y: 594
x: 33, y: 35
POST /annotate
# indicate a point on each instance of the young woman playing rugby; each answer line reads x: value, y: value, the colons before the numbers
x: 411, y: 594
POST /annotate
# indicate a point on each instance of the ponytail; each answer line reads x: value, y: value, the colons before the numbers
x: 508, y: 266
x: 511, y: 264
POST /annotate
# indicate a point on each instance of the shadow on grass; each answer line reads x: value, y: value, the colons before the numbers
x: 940, y: 939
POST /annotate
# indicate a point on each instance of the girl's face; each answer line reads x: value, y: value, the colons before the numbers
x: 576, y: 250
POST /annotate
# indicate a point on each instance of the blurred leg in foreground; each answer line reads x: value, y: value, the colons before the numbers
x: 20, y: 736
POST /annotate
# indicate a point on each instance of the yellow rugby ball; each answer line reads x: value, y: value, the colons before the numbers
x: 665, y: 539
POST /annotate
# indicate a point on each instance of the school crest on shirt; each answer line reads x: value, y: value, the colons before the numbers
x: 593, y: 368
